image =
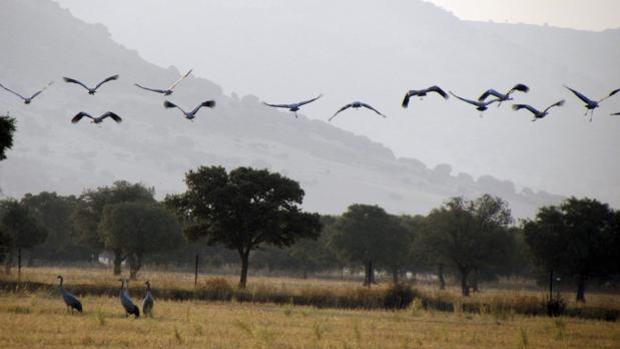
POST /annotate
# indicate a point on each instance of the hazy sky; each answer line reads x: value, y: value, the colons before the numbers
x: 578, y: 14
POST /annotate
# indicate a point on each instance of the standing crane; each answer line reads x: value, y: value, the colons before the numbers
x: 590, y: 104
x: 70, y: 300
x: 148, y: 302
x: 126, y: 302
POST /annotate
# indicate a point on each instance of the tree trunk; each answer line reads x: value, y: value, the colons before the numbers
x: 371, y: 272
x: 19, y: 264
x: 581, y: 288
x: 367, y: 274
x: 245, y: 256
x: 474, y: 281
x: 464, y: 285
x: 8, y: 262
x: 118, y: 259
x: 135, y: 263
x: 442, y: 280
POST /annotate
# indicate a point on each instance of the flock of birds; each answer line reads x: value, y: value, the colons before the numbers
x: 148, y: 302
x: 482, y: 103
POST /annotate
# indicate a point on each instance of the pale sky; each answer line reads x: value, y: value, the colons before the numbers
x: 579, y: 14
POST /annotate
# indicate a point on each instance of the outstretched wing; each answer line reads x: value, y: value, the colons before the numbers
x: 519, y: 87
x: 150, y: 89
x: 13, y: 92
x: 174, y: 84
x: 610, y: 94
x: 340, y: 110
x: 466, y: 100
x: 490, y: 92
x: 408, y: 95
x: 209, y: 104
x: 73, y: 81
x: 113, y: 77
x: 309, y: 101
x: 111, y: 115
x: 556, y: 104
x: 79, y: 117
x: 615, y: 114
x: 277, y: 105
x: 41, y: 90
x: 526, y: 106
x: 168, y: 104
x: 580, y: 95
x: 373, y: 109
x: 438, y: 90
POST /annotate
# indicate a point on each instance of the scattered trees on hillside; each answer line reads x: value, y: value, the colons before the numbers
x: 21, y: 230
x: 136, y: 229
x: 243, y: 210
x: 7, y: 128
x: 89, y: 211
x: 579, y: 238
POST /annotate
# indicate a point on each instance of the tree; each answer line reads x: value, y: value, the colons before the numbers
x: 87, y: 215
x: 580, y: 237
x: 137, y: 229
x: 243, y: 210
x: 22, y: 229
x: 7, y: 128
x: 368, y: 235
x: 468, y: 236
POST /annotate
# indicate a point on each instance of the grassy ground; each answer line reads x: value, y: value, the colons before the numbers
x: 41, y: 321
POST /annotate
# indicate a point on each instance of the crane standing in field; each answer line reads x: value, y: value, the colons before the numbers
x: 70, y: 300
x: 126, y: 302
x: 422, y: 94
x: 590, y: 104
x: 27, y: 100
x: 503, y: 97
x: 148, y: 302
x: 537, y: 113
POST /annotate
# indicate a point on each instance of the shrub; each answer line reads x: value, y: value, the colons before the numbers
x: 399, y: 296
x: 217, y: 289
x: 556, y: 306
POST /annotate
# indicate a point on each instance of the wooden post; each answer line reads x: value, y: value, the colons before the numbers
x: 196, y: 272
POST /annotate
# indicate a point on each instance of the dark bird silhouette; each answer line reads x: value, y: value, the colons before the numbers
x: 170, y: 89
x: 27, y: 100
x: 191, y: 114
x: 480, y: 105
x: 91, y: 91
x: 590, y: 104
x: 70, y: 300
x: 148, y: 301
x: 126, y: 302
x: 502, y: 97
x: 615, y: 114
x: 294, y: 107
x: 537, y: 113
x: 96, y: 120
x: 422, y: 94
x: 356, y: 105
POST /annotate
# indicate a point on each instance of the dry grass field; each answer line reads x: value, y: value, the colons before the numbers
x: 39, y: 320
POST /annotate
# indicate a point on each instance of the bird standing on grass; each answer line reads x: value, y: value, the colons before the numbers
x: 148, y: 302
x: 356, y: 105
x: 590, y: 104
x: 27, y: 100
x: 96, y: 120
x: 70, y: 300
x: 191, y: 114
x: 91, y: 91
x: 537, y: 113
x: 294, y: 107
x: 422, y: 94
x: 503, y: 97
x: 170, y: 89
x: 126, y: 302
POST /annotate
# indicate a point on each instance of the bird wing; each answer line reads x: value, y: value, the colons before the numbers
x: 526, y: 106
x: 309, y: 101
x: 610, y: 94
x: 174, y: 84
x: 209, y: 104
x: 41, y: 90
x: 277, y: 105
x: 490, y: 92
x: 150, y: 89
x: 408, y: 95
x: 110, y: 78
x: 79, y: 117
x: 168, y: 104
x: 13, y: 92
x: 580, y: 95
x: 615, y: 114
x: 70, y: 80
x: 373, y: 109
x: 556, y: 104
x: 438, y: 90
x: 491, y: 102
x: 466, y: 100
x: 519, y: 87
x: 111, y: 115
x: 339, y: 110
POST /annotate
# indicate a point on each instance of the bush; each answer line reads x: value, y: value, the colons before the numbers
x: 217, y: 289
x: 399, y: 296
x: 556, y: 306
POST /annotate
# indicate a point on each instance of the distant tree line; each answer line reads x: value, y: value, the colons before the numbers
x: 248, y: 216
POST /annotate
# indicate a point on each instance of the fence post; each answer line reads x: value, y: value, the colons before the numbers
x: 196, y: 272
